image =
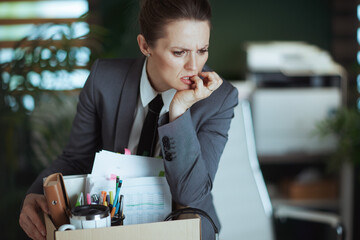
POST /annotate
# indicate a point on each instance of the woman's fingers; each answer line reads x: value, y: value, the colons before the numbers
x: 199, y: 87
x: 204, y: 87
x: 212, y: 80
x: 30, y: 229
x: 30, y: 219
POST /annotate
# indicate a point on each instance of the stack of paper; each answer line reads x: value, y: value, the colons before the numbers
x: 147, y: 196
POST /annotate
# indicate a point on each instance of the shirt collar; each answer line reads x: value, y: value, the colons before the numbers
x: 147, y: 93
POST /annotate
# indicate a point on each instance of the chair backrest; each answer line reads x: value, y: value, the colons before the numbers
x: 240, y: 195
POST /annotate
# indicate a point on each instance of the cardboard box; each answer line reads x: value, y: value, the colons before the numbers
x: 188, y: 229
x: 185, y: 229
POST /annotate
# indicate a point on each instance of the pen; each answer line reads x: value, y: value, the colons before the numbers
x: 117, y: 193
x: 103, y: 194
x: 117, y: 207
x: 111, y: 197
x: 88, y: 198
x: 80, y: 200
x: 118, y: 203
x: 121, y: 205
x: 108, y: 199
x: 117, y: 182
x: 101, y: 199
x: 113, y: 211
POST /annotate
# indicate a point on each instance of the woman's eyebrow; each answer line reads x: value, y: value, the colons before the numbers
x: 187, y: 49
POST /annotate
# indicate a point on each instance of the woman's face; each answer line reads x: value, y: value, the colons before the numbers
x: 179, y: 55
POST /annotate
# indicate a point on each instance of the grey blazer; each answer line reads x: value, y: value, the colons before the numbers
x: 191, y: 145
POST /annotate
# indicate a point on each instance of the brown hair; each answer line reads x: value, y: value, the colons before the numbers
x: 155, y: 14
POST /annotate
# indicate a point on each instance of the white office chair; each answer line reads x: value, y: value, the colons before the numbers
x: 240, y: 195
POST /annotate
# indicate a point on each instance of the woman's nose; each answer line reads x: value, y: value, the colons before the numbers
x: 191, y: 62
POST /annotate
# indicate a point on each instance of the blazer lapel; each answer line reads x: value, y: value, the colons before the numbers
x: 127, y: 105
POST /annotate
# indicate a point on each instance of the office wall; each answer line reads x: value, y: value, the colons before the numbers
x: 236, y: 22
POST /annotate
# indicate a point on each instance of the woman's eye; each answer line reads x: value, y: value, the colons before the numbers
x: 178, y: 53
x: 203, y: 51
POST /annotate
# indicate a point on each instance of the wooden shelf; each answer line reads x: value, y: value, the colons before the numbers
x: 293, y: 158
x: 56, y: 43
x: 332, y: 204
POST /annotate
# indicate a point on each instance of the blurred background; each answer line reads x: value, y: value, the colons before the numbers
x: 297, y: 62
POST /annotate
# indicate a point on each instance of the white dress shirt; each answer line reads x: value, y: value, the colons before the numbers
x: 147, y: 94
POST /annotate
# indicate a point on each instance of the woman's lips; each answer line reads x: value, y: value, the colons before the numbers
x: 187, y: 80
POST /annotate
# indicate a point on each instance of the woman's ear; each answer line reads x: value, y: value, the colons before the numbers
x: 144, y: 47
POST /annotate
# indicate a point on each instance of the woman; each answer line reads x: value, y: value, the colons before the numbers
x: 193, y: 124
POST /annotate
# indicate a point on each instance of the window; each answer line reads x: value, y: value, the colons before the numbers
x: 49, y: 36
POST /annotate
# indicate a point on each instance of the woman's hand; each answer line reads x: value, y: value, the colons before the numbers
x: 200, y: 89
x: 31, y: 216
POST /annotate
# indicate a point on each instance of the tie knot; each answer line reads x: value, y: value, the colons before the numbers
x: 156, y: 104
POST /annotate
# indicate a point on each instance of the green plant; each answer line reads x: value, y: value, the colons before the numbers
x: 36, y: 59
x: 345, y: 126
x: 24, y: 83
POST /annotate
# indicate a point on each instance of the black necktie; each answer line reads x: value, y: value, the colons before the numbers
x: 149, y: 131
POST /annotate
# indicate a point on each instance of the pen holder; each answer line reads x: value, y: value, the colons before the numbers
x: 117, y: 220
